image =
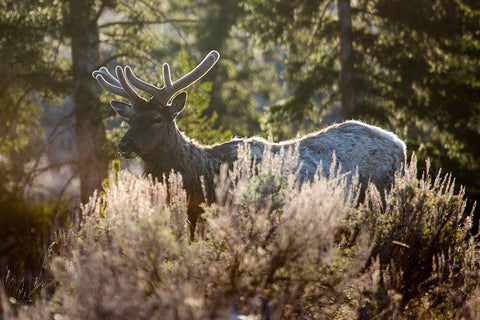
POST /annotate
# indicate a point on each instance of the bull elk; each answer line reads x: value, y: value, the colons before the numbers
x: 154, y: 136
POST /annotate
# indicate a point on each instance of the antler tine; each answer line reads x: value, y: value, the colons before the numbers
x: 106, y: 75
x: 122, y: 83
x: 133, y: 96
x: 167, y: 76
x: 170, y: 89
x: 196, y: 74
x: 167, y: 90
x: 118, y: 84
x: 139, y: 83
x: 110, y: 87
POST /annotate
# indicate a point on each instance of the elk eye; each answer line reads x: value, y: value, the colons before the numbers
x: 157, y: 120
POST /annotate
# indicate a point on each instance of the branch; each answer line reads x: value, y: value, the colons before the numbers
x: 317, y: 27
x: 15, y: 112
x: 141, y: 22
x: 69, y: 162
x: 99, y: 12
x: 51, y: 138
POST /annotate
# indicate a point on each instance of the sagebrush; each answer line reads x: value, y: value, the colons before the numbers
x: 268, y: 248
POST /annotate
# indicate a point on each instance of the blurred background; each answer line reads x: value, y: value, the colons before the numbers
x: 287, y: 68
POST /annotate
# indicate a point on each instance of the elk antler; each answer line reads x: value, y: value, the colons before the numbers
x: 118, y: 85
x: 122, y: 84
x: 164, y: 94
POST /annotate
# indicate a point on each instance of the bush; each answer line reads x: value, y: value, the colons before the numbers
x: 420, y: 242
x: 26, y: 232
x: 268, y: 247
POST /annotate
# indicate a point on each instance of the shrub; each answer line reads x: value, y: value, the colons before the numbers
x: 275, y: 241
x: 25, y: 234
x: 269, y: 247
x: 420, y: 238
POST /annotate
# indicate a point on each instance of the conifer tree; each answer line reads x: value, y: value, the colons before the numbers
x: 415, y: 70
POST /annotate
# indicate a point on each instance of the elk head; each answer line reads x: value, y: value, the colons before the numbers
x: 152, y: 121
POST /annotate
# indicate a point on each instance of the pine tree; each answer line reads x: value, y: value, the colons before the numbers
x: 415, y: 66
x: 241, y: 81
x: 89, y: 126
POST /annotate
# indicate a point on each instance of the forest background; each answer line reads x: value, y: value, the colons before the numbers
x: 287, y: 68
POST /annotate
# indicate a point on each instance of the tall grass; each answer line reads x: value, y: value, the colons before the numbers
x: 270, y: 247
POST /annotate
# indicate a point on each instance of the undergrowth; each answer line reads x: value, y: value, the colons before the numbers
x: 269, y: 248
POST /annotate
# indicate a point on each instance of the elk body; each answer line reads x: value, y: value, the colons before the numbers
x: 154, y: 136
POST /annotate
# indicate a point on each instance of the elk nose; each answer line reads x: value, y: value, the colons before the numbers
x: 125, y: 145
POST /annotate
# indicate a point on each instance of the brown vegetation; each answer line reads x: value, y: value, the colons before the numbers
x: 267, y: 246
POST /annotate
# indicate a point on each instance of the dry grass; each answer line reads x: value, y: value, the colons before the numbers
x: 267, y: 248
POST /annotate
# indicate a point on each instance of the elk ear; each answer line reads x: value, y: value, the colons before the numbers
x: 178, y: 104
x: 123, y: 109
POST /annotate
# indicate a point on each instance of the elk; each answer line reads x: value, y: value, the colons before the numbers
x: 373, y: 153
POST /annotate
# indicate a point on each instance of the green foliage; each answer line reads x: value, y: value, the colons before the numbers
x: 30, y: 61
x: 306, y: 33
x: 193, y: 120
x: 31, y: 71
x: 267, y: 238
x: 28, y: 67
x: 429, y: 81
x: 413, y: 68
x: 263, y: 188
x: 241, y: 78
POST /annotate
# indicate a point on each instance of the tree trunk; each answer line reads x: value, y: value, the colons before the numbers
x: 89, y: 126
x: 347, y: 72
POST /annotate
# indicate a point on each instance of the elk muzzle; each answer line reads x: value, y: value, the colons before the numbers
x: 126, y: 148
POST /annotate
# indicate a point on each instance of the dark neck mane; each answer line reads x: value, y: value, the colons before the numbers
x: 192, y: 160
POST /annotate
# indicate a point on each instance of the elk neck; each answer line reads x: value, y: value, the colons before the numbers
x: 187, y: 157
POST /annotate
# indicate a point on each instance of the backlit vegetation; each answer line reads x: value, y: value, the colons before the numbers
x: 267, y: 248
